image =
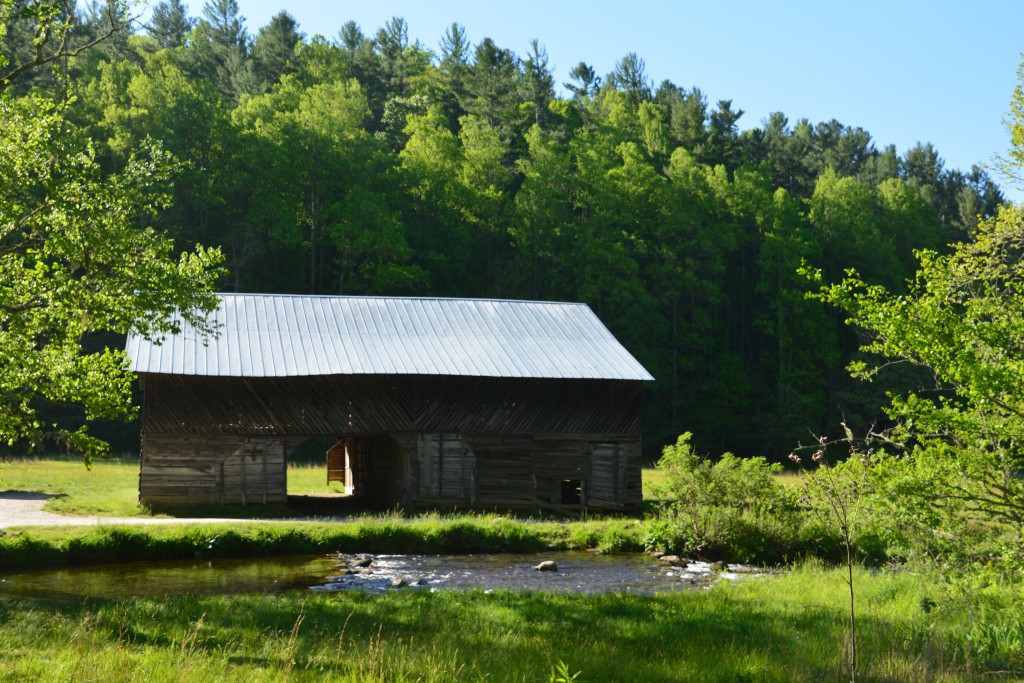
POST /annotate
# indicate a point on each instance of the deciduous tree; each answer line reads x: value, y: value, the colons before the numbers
x: 75, y: 260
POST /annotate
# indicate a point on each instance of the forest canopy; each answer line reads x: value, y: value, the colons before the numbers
x: 363, y: 163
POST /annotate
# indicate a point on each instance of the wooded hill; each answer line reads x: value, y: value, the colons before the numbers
x: 366, y: 164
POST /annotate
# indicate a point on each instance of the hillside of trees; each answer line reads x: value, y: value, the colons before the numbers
x: 361, y: 163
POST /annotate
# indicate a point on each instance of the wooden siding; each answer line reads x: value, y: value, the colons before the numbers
x: 211, y: 470
x: 447, y: 468
x: 513, y: 472
x: 307, y: 406
x: 412, y: 441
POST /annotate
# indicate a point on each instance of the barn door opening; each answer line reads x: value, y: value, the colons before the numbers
x: 369, y: 467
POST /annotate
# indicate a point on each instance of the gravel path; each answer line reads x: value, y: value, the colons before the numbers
x: 24, y: 508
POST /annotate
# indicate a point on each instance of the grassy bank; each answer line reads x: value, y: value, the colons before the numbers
x: 61, y: 546
x: 785, y: 628
x: 109, y: 488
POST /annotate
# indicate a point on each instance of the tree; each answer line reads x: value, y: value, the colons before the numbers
x: 274, y: 48
x: 962, y: 322
x: 722, y: 147
x: 846, y: 214
x: 585, y: 83
x: 49, y: 34
x: 630, y: 76
x: 169, y: 24
x: 453, y: 71
x: 124, y: 105
x: 958, y: 439
x: 227, y: 26
x: 364, y: 65
x: 542, y: 216
x: 224, y: 45
x: 391, y: 42
x: 323, y: 180
x: 687, y: 115
x: 539, y: 83
x: 492, y: 84
x: 75, y: 261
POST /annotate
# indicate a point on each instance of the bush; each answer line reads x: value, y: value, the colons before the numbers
x: 734, y: 508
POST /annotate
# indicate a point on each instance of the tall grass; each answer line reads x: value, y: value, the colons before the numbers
x: 784, y: 628
x: 387, y: 533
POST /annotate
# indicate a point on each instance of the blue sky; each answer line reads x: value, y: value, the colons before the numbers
x: 904, y: 70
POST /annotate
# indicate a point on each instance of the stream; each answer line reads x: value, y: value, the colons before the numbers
x: 577, y: 572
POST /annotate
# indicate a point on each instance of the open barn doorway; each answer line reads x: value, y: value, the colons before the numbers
x: 346, y: 474
x: 310, y: 491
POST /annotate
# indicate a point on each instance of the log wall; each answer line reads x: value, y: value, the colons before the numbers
x: 516, y: 472
x: 412, y: 441
x: 178, y: 470
x: 317, y: 406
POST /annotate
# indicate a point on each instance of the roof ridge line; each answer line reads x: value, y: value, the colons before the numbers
x: 401, y: 298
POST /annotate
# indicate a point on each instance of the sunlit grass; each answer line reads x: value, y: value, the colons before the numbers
x: 308, y: 478
x: 653, y: 480
x: 110, y: 487
x: 786, y: 628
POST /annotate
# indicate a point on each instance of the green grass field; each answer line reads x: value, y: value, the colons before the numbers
x: 787, y: 628
x: 914, y: 626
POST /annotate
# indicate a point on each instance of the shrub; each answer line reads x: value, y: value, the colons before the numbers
x: 734, y: 507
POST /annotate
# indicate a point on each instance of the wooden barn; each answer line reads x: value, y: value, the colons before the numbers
x: 430, y: 402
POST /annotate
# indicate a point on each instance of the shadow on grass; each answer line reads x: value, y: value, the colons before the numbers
x: 29, y: 495
x: 701, y: 636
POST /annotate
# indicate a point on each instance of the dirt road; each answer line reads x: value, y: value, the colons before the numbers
x: 21, y: 508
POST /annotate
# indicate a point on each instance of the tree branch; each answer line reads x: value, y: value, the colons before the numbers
x: 44, y: 37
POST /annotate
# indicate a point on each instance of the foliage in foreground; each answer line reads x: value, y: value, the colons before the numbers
x: 783, y: 628
x: 738, y: 509
x: 79, y: 263
x: 958, y: 439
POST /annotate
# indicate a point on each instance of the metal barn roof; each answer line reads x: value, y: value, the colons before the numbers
x: 271, y: 335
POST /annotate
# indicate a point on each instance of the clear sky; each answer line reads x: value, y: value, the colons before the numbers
x: 934, y: 71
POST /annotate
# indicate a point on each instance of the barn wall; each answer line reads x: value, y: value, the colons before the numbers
x: 179, y: 470
x: 351, y: 405
x: 516, y: 472
x: 507, y: 443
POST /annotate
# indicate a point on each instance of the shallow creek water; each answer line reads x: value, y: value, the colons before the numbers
x: 578, y: 572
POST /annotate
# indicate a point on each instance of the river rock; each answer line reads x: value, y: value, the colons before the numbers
x: 421, y: 582
x: 720, y: 566
x: 361, y: 562
x: 672, y: 561
x: 398, y: 582
x: 547, y: 566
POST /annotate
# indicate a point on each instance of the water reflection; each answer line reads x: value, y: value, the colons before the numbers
x: 578, y: 572
x: 182, y: 577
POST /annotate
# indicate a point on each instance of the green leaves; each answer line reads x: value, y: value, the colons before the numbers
x: 712, y: 501
x: 963, y: 322
x: 74, y: 262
